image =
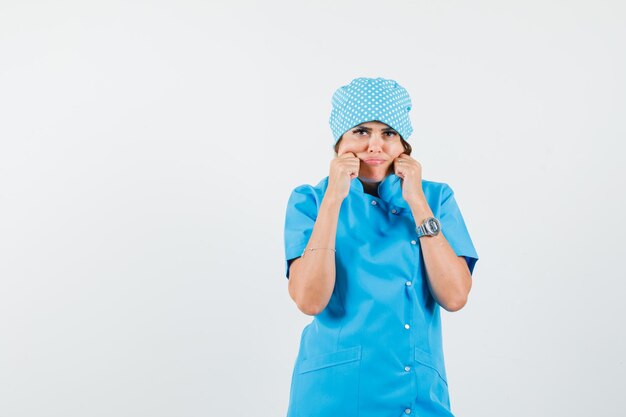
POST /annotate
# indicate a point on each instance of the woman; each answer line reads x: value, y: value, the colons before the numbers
x: 372, y: 252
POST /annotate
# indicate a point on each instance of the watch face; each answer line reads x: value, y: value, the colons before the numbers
x: 432, y: 226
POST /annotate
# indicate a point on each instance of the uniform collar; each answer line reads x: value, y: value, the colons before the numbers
x: 389, y: 190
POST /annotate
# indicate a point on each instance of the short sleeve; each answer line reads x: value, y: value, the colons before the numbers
x: 454, y: 229
x: 299, y: 221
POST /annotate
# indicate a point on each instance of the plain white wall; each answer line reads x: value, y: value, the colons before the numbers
x: 148, y: 150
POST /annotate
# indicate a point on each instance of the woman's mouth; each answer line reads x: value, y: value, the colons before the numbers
x: 374, y: 161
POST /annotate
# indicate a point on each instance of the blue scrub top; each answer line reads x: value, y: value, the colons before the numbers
x: 376, y: 349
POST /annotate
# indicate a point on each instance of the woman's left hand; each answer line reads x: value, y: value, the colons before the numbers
x: 410, y: 170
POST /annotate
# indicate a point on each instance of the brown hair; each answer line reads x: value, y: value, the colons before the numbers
x: 407, y: 146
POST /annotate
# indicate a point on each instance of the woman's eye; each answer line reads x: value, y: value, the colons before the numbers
x: 359, y: 131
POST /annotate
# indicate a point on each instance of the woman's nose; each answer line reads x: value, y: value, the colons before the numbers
x: 375, y: 143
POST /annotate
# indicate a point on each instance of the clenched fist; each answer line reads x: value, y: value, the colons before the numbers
x: 343, y: 169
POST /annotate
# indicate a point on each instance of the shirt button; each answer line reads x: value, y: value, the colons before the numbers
x: 407, y: 411
x: 373, y: 202
x: 408, y: 283
x: 406, y: 326
x: 413, y: 242
x: 394, y: 211
x: 407, y: 368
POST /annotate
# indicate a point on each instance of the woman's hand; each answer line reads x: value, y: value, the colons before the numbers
x: 343, y: 169
x: 410, y: 171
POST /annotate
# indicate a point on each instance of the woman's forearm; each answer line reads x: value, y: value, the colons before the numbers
x: 312, y: 276
x: 449, y: 278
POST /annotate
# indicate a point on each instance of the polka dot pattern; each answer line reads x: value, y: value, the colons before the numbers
x: 369, y: 99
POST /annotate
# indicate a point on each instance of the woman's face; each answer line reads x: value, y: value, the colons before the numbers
x: 372, y: 140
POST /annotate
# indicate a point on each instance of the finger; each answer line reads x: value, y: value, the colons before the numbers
x: 357, y: 166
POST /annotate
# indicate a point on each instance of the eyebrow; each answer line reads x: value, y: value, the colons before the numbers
x: 387, y: 129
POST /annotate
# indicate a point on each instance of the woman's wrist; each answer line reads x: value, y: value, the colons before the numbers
x: 331, y: 201
x: 420, y: 210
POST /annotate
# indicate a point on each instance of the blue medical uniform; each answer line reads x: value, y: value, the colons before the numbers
x: 376, y: 349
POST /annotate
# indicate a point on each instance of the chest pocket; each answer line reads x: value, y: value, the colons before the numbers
x: 328, y: 385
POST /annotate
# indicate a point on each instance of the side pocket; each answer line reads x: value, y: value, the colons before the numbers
x: 425, y: 359
x: 328, y: 384
x: 432, y: 384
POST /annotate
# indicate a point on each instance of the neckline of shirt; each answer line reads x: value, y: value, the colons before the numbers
x: 389, y: 190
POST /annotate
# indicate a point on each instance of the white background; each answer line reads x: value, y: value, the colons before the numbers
x: 148, y: 150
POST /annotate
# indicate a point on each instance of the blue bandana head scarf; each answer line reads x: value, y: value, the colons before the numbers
x: 370, y: 99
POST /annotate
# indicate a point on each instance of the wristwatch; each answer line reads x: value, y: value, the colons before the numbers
x: 429, y: 227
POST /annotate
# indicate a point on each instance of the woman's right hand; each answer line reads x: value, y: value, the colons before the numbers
x: 343, y: 169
